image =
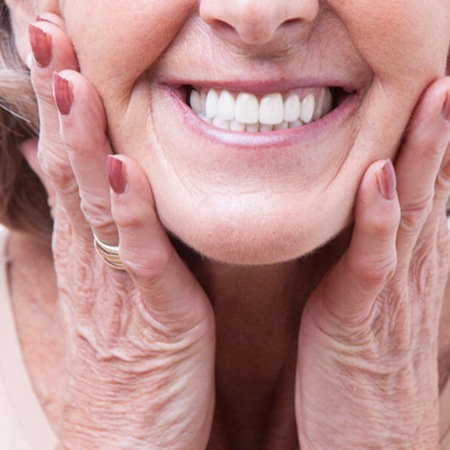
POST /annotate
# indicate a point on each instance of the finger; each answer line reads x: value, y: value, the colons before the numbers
x: 29, y: 149
x: 419, y: 162
x: 83, y: 130
x: 349, y: 290
x: 53, y: 51
x: 172, y: 293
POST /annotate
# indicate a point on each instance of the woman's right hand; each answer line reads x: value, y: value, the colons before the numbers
x: 139, y: 342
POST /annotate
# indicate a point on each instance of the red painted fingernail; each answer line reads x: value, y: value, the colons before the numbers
x: 41, y: 44
x: 386, y: 180
x: 63, y: 93
x: 117, y: 175
x: 446, y: 108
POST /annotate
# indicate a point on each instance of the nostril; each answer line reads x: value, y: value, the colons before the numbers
x: 223, y: 28
x: 292, y: 22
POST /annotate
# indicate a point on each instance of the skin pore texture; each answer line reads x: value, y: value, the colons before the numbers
x: 264, y: 200
x: 273, y: 214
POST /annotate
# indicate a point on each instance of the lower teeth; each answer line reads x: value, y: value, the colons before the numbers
x: 234, y: 125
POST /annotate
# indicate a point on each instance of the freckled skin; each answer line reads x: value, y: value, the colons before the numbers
x: 265, y: 213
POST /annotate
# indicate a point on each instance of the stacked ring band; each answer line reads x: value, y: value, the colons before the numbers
x: 109, y: 254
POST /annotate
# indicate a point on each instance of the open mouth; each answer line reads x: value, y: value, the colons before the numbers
x: 248, y: 112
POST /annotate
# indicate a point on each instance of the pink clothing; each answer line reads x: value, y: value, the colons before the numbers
x: 23, y: 423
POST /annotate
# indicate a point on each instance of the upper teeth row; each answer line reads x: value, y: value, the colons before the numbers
x: 244, y: 111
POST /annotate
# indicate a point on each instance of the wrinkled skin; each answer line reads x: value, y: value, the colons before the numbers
x: 365, y: 362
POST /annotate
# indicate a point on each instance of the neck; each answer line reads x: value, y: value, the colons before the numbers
x: 33, y: 290
x: 258, y: 312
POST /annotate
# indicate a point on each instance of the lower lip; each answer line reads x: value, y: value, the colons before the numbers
x: 273, y: 139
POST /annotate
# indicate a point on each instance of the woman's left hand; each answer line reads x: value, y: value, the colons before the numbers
x: 367, y: 373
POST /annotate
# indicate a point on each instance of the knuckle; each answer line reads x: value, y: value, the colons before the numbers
x: 150, y: 267
x: 96, y: 210
x: 72, y: 142
x: 423, y: 270
x: 99, y: 218
x: 383, y: 226
x: 414, y: 215
x: 42, y: 85
x: 374, y: 270
x: 443, y: 185
x: 59, y: 171
x: 127, y: 219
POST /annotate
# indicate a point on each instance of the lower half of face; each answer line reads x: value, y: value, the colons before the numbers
x: 258, y: 160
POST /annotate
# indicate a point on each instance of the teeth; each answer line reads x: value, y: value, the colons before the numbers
x: 245, y: 112
x: 265, y: 128
x: 237, y: 126
x: 227, y: 105
x: 323, y: 104
x: 271, y: 109
x: 295, y: 124
x: 212, y: 104
x: 196, y: 102
x: 219, y: 122
x: 292, y: 108
x: 282, y: 126
x: 247, y: 108
x: 307, y: 108
x: 252, y: 127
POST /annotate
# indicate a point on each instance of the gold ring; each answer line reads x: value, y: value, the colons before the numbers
x: 109, y: 254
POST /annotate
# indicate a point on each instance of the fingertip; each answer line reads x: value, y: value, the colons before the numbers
x: 387, y: 181
x: 434, y: 105
x: 63, y: 94
x: 51, y: 48
x: 52, y: 18
x: 372, y: 251
x: 117, y: 174
x: 379, y: 183
x: 41, y: 45
x: 377, y: 208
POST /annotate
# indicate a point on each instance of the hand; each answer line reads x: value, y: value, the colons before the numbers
x: 140, y: 342
x: 367, y: 375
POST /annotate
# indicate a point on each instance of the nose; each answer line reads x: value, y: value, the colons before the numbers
x: 256, y: 22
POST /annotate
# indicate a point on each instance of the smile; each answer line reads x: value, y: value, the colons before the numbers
x: 247, y: 112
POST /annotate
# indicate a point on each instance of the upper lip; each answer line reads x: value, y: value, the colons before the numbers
x: 266, y: 86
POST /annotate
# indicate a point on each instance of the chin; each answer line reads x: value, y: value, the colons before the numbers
x: 259, y: 241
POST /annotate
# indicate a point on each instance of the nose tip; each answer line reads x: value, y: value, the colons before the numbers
x: 256, y: 22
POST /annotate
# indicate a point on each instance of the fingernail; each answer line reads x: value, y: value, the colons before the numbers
x: 117, y: 176
x: 63, y: 93
x: 44, y: 19
x: 386, y: 181
x: 446, y: 108
x: 41, y: 44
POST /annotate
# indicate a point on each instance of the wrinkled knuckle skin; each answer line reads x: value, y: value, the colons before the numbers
x: 443, y: 184
x: 128, y: 220
x: 414, y: 216
x: 383, y: 227
x: 97, y: 213
x: 150, y: 268
x: 72, y: 143
x: 59, y: 171
x: 374, y: 271
x: 424, y: 271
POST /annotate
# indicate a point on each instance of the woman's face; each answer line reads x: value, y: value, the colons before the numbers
x: 263, y: 197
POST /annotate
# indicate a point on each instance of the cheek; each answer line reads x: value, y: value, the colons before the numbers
x: 403, y: 40
x: 117, y: 40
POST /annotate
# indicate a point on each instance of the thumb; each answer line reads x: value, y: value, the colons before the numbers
x: 348, y: 291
